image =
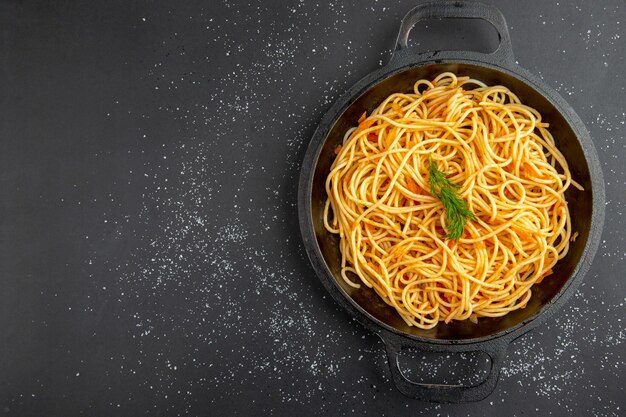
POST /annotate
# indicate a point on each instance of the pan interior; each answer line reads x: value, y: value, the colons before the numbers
x: 580, y: 202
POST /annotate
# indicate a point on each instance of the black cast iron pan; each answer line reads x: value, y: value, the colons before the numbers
x: 489, y: 335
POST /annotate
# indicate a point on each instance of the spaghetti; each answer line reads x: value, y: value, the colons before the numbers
x: 502, y: 161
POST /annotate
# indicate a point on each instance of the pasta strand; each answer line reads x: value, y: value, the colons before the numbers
x: 392, y: 229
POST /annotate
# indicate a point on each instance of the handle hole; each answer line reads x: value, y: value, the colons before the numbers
x: 454, y: 34
x: 462, y: 368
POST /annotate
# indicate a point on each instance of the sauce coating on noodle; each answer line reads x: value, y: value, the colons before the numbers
x: 502, y: 161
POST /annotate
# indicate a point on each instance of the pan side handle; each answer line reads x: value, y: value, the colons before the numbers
x: 456, y: 10
x: 443, y: 393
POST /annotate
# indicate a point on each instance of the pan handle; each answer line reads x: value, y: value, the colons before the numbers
x: 454, y: 10
x: 495, y: 349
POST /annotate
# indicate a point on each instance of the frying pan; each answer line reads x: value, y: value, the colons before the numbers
x: 490, y: 335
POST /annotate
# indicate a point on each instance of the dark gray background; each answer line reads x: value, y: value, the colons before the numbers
x: 150, y: 260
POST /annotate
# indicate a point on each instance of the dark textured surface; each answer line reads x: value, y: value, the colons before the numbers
x: 149, y: 251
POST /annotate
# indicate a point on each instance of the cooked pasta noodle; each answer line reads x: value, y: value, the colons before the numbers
x: 392, y: 230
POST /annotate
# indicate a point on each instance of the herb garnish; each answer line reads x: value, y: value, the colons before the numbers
x: 457, y: 213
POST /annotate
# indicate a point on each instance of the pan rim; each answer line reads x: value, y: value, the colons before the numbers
x: 320, y: 135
